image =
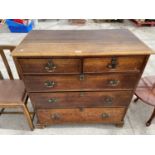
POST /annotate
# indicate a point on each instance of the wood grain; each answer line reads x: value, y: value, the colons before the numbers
x: 93, y: 77
x: 123, y: 64
x: 36, y: 66
x: 81, y: 43
x: 87, y: 115
x: 81, y: 99
x: 73, y: 82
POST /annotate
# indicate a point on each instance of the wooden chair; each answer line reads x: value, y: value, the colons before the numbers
x: 12, y: 92
x: 146, y: 92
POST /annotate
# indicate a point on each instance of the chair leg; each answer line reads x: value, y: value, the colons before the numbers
x: 148, y: 123
x: 2, y: 110
x: 26, y: 100
x: 28, y: 117
x: 136, y: 99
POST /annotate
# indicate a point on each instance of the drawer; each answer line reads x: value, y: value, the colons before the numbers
x: 113, y: 64
x: 33, y: 66
x: 81, y: 99
x: 80, y: 82
x: 87, y: 115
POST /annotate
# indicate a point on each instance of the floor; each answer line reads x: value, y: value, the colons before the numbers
x: 137, y: 114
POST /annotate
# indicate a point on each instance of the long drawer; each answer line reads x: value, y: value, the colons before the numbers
x: 80, y: 82
x: 81, y: 99
x: 87, y: 115
x: 50, y: 66
x: 114, y: 64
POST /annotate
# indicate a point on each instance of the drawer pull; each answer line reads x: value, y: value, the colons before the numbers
x: 81, y: 109
x: 81, y: 77
x: 105, y: 115
x: 82, y: 94
x: 113, y: 82
x: 52, y: 100
x: 113, y: 63
x: 49, y: 84
x: 55, y: 116
x: 50, y: 67
x: 108, y: 100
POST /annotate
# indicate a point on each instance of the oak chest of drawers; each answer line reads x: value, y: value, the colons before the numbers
x: 83, y: 76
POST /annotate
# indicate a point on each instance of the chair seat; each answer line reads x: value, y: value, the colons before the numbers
x: 11, y: 91
x: 146, y: 90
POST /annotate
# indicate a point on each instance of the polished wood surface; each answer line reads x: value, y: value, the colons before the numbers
x: 80, y: 82
x: 85, y: 115
x: 120, y: 64
x: 81, y: 43
x: 74, y: 66
x: 79, y: 76
x: 50, y: 66
x: 81, y: 99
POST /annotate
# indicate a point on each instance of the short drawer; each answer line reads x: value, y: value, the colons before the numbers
x: 50, y: 66
x: 113, y: 64
x: 81, y: 99
x: 80, y: 82
x: 87, y: 115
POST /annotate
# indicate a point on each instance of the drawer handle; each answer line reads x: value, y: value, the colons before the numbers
x: 81, y: 109
x: 52, y: 100
x: 113, y: 63
x: 50, y: 67
x: 49, y: 84
x: 81, y: 77
x: 55, y: 116
x: 105, y: 115
x: 82, y: 94
x: 113, y: 83
x: 108, y: 100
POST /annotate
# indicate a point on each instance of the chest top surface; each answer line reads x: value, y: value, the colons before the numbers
x: 81, y: 43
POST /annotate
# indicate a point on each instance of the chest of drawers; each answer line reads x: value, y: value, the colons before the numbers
x: 85, y: 76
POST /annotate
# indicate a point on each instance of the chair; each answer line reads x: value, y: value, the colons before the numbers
x: 12, y: 92
x: 145, y: 91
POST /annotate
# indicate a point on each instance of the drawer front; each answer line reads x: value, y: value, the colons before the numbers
x: 112, y: 64
x: 81, y: 99
x: 50, y: 65
x: 87, y: 115
x: 80, y: 82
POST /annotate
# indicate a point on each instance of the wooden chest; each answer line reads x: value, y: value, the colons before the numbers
x: 85, y: 76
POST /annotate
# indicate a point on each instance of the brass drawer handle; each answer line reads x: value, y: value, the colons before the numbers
x: 113, y: 82
x: 49, y: 84
x: 50, y: 67
x: 113, y: 63
x: 108, y: 100
x: 53, y: 100
x: 81, y: 109
x: 105, y: 115
x: 82, y: 94
x: 55, y: 116
x: 82, y: 77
